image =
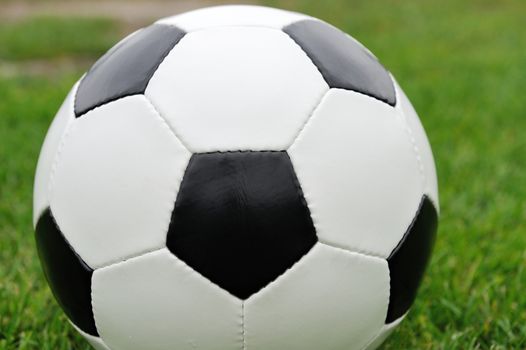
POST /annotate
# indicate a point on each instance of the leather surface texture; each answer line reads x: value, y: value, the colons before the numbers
x: 421, y: 143
x: 233, y: 15
x: 116, y: 180
x: 127, y: 68
x: 64, y: 117
x: 138, y: 304
x: 371, y: 185
x: 331, y: 299
x: 230, y: 88
x: 408, y: 261
x: 156, y: 302
x: 67, y: 274
x: 343, y: 62
x: 240, y: 219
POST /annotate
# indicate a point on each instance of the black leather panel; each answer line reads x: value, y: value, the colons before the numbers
x: 127, y: 68
x: 342, y: 62
x: 240, y: 219
x: 68, y: 276
x: 408, y: 261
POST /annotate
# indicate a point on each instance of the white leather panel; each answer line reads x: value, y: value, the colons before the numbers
x: 157, y: 302
x: 331, y: 299
x: 116, y: 181
x: 421, y: 143
x: 230, y: 88
x: 233, y: 15
x: 384, y: 333
x: 95, y: 342
x: 48, y: 153
x: 358, y: 172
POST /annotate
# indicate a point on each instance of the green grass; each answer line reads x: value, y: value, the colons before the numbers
x: 29, y: 317
x: 51, y: 37
x: 462, y: 65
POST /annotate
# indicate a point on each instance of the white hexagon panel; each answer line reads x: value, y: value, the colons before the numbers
x: 115, y: 180
x: 228, y: 88
x: 330, y: 294
x: 155, y: 301
x: 372, y: 185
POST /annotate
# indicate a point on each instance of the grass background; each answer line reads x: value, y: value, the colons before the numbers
x: 462, y: 63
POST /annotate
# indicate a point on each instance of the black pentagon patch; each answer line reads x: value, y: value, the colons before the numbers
x: 408, y: 261
x: 343, y: 63
x: 240, y: 219
x: 127, y: 68
x: 67, y: 274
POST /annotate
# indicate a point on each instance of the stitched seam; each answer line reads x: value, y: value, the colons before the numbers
x: 172, y: 129
x: 308, y: 119
x: 388, y: 297
x: 410, y: 134
x: 115, y: 47
x: 323, y: 76
x: 243, y: 324
x: 84, y: 265
x: 299, y: 193
x: 130, y: 257
x: 63, y: 137
x: 71, y: 128
x: 285, y: 273
x: 300, y: 261
x: 305, y: 201
x: 104, y: 103
x: 176, y: 185
x: 298, y: 45
x: 48, y: 185
x: 320, y: 99
x: 93, y: 308
x: 302, y: 197
x: 99, y: 106
x: 51, y: 184
x: 306, y: 56
x: 163, y: 58
x: 192, y: 271
x: 315, y: 222
x: 185, y: 173
x: 352, y: 250
x: 364, y: 94
x: 241, y: 151
x: 416, y: 149
x: 77, y: 88
x: 178, y: 261
x: 315, y: 106
x: 410, y: 227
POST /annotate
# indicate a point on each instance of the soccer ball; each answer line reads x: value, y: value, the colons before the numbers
x: 236, y: 177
